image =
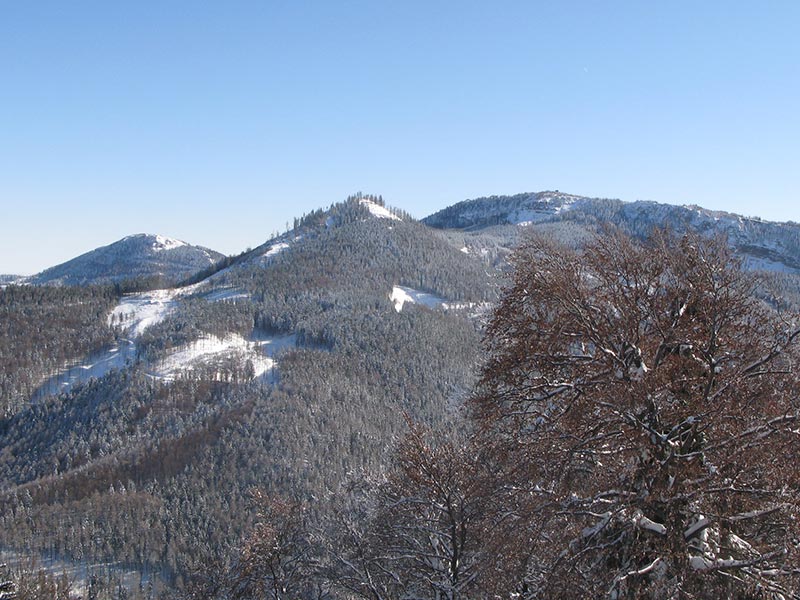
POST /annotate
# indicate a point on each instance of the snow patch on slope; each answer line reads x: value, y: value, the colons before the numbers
x: 96, y: 365
x: 215, y: 356
x: 276, y: 249
x: 212, y: 353
x: 165, y: 243
x: 134, y: 315
x: 402, y: 295
x: 210, y: 356
x: 136, y: 312
x: 379, y: 211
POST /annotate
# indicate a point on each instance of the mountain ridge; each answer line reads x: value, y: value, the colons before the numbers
x: 763, y: 245
x: 551, y: 202
x: 290, y: 367
x: 139, y: 255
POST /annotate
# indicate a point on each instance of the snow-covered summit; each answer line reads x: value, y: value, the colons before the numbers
x: 763, y: 245
x: 166, y: 243
x: 157, y: 242
x: 378, y: 211
x: 134, y: 256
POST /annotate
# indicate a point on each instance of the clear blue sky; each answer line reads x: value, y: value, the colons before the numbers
x: 217, y: 122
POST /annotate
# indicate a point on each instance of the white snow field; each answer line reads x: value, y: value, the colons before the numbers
x: 210, y: 355
x: 136, y: 312
x: 97, y: 365
x: 402, y: 295
x: 276, y: 249
x: 379, y: 211
x: 278, y: 246
x: 166, y: 243
x: 214, y: 356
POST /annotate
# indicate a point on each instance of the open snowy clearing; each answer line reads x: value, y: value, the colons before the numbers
x: 166, y: 243
x: 136, y: 312
x: 208, y: 357
x: 402, y: 295
x: 215, y: 357
x: 276, y: 249
x: 97, y: 365
x: 379, y: 211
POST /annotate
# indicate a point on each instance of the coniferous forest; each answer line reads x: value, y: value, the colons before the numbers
x: 536, y: 396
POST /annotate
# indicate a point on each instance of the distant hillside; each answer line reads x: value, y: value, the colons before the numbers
x: 763, y: 245
x: 289, y: 367
x: 520, y: 209
x: 133, y: 257
x: 135, y: 425
x: 9, y: 279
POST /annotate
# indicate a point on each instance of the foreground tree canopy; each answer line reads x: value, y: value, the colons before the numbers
x: 640, y: 406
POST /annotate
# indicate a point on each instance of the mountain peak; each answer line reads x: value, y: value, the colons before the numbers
x: 141, y: 255
x: 156, y: 241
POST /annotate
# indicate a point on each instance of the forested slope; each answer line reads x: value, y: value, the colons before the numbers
x: 291, y: 368
x: 82, y: 471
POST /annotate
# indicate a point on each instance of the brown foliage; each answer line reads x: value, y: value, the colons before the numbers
x: 423, y: 535
x: 275, y: 560
x: 640, y: 409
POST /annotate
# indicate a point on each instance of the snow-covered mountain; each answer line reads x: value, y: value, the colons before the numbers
x: 9, y: 279
x: 135, y: 256
x: 520, y: 209
x: 763, y: 245
x: 357, y: 252
x: 290, y: 366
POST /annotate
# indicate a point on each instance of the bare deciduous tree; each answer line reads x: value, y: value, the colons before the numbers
x: 642, y: 408
x: 423, y: 536
x: 275, y: 560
